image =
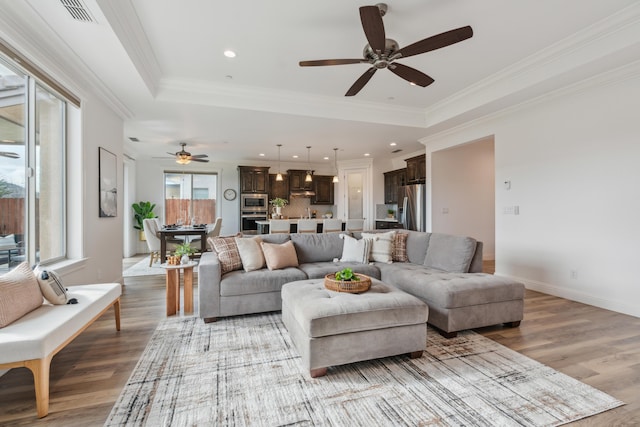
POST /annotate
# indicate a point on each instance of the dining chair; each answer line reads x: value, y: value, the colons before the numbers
x: 279, y: 226
x: 214, y: 232
x: 354, y: 225
x: 307, y: 226
x: 152, y: 235
x: 332, y: 225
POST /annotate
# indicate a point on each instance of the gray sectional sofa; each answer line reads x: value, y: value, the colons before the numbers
x: 444, y: 271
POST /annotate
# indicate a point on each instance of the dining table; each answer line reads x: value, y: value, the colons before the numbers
x: 169, y: 232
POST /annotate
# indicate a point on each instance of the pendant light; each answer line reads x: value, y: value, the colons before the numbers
x: 335, y: 164
x: 308, y: 178
x: 279, y: 176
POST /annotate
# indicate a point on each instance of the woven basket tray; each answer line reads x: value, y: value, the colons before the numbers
x: 352, y: 287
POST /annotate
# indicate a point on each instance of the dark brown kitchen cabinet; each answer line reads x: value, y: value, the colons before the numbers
x: 278, y: 188
x: 254, y: 179
x: 393, y: 180
x: 388, y: 225
x: 416, y: 169
x: 323, y: 187
x: 297, y: 182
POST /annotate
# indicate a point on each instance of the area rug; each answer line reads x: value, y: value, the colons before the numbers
x: 244, y: 371
x: 142, y: 268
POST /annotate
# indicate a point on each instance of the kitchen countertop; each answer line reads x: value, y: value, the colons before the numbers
x: 387, y: 219
x: 291, y: 220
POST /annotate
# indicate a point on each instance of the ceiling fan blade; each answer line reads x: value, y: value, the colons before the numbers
x: 436, y: 42
x: 9, y: 154
x: 373, y: 27
x: 199, y: 160
x: 363, y: 80
x: 172, y: 154
x: 198, y: 156
x: 410, y: 74
x: 321, y: 62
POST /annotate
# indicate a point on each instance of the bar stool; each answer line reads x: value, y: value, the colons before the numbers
x: 354, y: 225
x: 279, y: 226
x: 332, y: 225
x: 307, y: 226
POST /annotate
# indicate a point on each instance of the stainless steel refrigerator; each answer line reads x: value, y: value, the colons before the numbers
x: 413, y: 214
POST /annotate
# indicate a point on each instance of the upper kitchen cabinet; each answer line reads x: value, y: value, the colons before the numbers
x: 416, y: 169
x: 278, y: 188
x: 323, y: 187
x: 393, y: 180
x: 254, y: 179
x: 297, y: 182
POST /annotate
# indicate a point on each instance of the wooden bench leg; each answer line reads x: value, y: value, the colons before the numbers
x: 318, y: 372
x: 40, y: 370
x: 116, y: 310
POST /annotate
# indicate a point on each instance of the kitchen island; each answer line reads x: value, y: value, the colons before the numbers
x: 263, y: 226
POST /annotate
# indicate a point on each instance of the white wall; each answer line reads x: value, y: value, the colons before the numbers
x: 463, y: 193
x: 572, y: 159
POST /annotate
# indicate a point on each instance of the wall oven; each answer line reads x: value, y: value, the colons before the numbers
x: 254, y: 202
x: 248, y: 221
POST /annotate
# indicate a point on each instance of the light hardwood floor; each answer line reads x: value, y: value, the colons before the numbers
x: 596, y: 346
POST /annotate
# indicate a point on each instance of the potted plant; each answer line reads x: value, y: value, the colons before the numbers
x: 347, y: 275
x: 142, y: 211
x: 391, y: 213
x: 184, y: 251
x: 278, y: 203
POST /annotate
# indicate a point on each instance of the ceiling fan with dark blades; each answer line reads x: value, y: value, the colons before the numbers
x: 382, y: 52
x: 184, y: 157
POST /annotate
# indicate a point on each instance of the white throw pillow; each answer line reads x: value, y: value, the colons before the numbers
x: 51, y: 286
x: 250, y: 253
x: 355, y: 250
x: 382, y: 250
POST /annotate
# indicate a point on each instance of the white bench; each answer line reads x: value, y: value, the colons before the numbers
x: 33, y: 340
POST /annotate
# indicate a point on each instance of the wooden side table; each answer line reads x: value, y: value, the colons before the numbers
x: 173, y: 287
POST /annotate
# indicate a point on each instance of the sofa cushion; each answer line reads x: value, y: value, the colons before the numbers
x: 382, y: 250
x: 258, y: 281
x: 315, y: 270
x: 450, y: 253
x: 228, y: 254
x: 400, y: 247
x: 250, y: 253
x: 417, y: 244
x: 317, y: 247
x: 19, y: 294
x: 280, y: 256
x: 355, y: 250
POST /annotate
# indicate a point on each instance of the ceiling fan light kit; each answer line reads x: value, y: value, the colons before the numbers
x: 382, y: 52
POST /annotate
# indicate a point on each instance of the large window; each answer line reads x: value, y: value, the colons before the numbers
x: 190, y: 198
x: 32, y: 170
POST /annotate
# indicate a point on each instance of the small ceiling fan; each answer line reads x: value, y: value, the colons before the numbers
x: 382, y: 52
x: 184, y: 157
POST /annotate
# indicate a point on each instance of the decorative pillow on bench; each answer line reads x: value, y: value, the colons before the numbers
x: 51, y: 286
x: 19, y: 294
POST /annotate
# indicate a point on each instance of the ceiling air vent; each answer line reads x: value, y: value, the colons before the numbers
x: 397, y: 150
x: 134, y: 139
x: 78, y: 10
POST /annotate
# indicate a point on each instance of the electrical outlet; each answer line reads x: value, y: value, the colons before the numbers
x: 573, y: 274
x: 445, y: 210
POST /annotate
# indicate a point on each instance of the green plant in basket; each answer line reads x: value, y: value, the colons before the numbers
x: 347, y: 274
x: 184, y: 249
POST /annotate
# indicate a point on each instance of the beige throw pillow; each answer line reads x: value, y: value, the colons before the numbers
x: 355, y: 250
x: 19, y: 294
x: 250, y: 253
x: 280, y: 256
x: 382, y: 250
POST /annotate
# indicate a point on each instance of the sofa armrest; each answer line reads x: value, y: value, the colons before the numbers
x: 209, y: 276
x: 476, y: 262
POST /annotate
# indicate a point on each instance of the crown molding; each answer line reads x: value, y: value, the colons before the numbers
x: 19, y: 26
x: 586, y: 49
x: 286, y: 102
x: 124, y: 21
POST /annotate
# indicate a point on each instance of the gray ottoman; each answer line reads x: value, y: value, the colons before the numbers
x: 334, y: 328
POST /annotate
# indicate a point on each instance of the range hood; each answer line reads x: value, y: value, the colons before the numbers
x: 302, y: 193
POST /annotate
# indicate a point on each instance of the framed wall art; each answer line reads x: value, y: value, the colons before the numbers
x: 108, y: 173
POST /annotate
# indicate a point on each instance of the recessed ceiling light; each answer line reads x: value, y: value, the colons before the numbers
x: 326, y: 158
x: 295, y: 156
x: 367, y: 154
x: 261, y: 154
x: 393, y: 144
x: 229, y: 54
x: 412, y: 83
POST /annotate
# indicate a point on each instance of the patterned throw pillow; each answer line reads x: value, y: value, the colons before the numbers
x: 382, y: 249
x: 355, y: 250
x: 19, y: 294
x: 228, y: 254
x: 400, y: 247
